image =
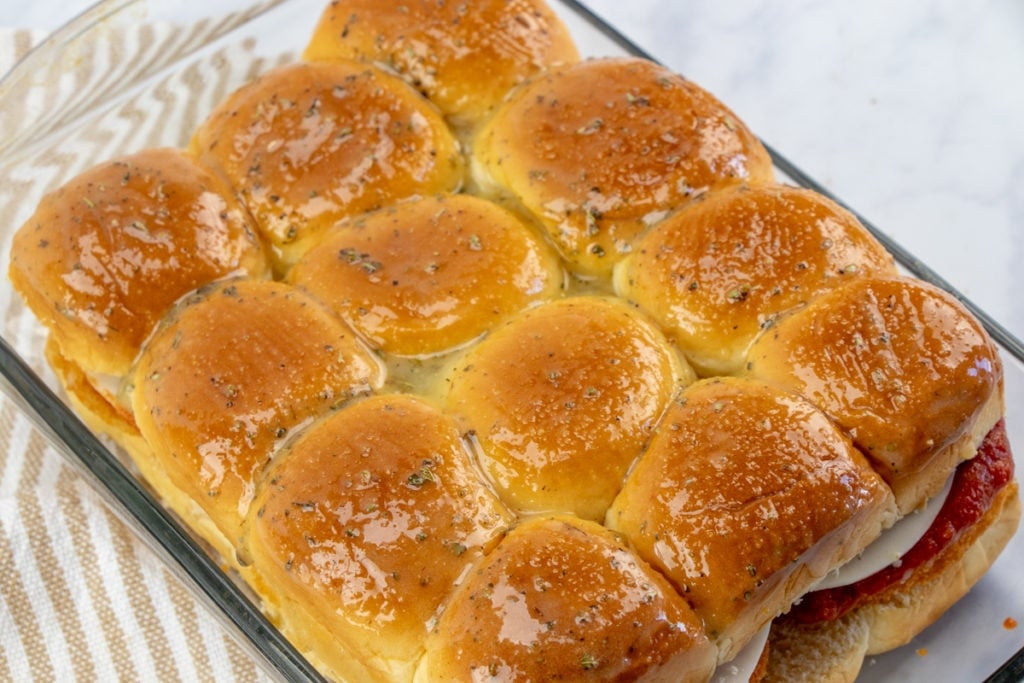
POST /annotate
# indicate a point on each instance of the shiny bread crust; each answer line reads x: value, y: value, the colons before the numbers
x: 106, y: 255
x: 601, y: 150
x: 901, y: 366
x: 718, y: 503
x: 443, y: 324
x: 463, y: 58
x: 729, y: 264
x: 307, y: 144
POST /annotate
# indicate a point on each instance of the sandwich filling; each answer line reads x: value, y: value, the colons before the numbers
x: 975, y: 486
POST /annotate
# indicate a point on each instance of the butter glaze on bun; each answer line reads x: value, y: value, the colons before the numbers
x: 602, y: 149
x: 725, y: 266
x: 230, y: 374
x: 106, y: 255
x: 901, y: 366
x: 308, y: 144
x: 464, y: 57
x: 562, y: 399
x: 565, y: 599
x: 428, y: 275
x: 362, y: 527
x: 746, y: 496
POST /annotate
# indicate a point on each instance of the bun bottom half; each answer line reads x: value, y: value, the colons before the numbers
x: 835, y: 650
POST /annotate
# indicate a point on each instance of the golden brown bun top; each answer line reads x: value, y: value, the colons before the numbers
x: 106, y: 256
x: 562, y: 399
x: 564, y: 599
x: 722, y: 268
x: 602, y: 149
x: 899, y: 364
x: 428, y: 275
x: 740, y: 481
x: 369, y: 518
x: 464, y: 56
x: 235, y: 370
x: 308, y: 144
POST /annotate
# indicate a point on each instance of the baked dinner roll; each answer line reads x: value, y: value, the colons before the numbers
x: 428, y: 275
x: 105, y: 256
x: 724, y: 267
x: 308, y: 144
x: 562, y: 399
x: 362, y: 527
x: 745, y: 497
x: 463, y: 56
x: 233, y: 372
x: 602, y: 149
x: 901, y: 366
x: 565, y: 599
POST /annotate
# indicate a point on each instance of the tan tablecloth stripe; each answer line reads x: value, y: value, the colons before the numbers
x: 80, y: 596
x: 19, y: 610
x: 185, y: 611
x: 75, y: 516
x: 5, y: 670
x: 152, y: 630
x: 35, y: 516
x: 21, y: 622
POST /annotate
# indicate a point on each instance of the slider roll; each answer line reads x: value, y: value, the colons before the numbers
x: 565, y: 599
x: 308, y: 144
x: 429, y: 275
x: 464, y: 57
x: 362, y: 528
x: 562, y: 399
x: 746, y: 496
x: 900, y: 366
x: 229, y: 376
x: 724, y: 267
x: 106, y: 255
x: 976, y: 520
x: 601, y: 150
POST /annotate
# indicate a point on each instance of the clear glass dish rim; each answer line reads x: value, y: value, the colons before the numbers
x: 179, y: 549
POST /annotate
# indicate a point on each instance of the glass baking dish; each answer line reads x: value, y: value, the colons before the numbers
x: 129, y: 74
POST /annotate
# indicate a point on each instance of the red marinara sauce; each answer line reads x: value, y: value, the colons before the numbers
x: 975, y: 485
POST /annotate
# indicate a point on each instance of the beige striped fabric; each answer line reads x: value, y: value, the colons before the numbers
x: 81, y: 598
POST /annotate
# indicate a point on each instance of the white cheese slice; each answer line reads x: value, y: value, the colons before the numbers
x: 890, y: 546
x: 109, y: 385
x: 741, y: 667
